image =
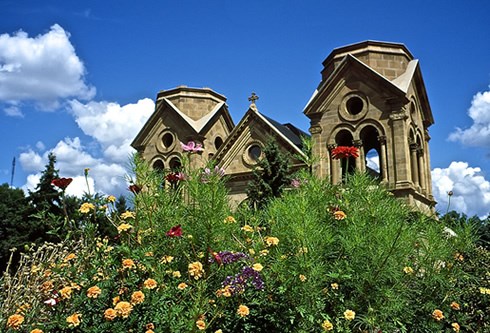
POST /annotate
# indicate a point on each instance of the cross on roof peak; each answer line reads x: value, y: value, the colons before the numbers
x: 253, y: 98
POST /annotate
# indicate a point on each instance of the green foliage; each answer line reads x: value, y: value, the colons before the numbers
x: 351, y: 256
x: 270, y: 176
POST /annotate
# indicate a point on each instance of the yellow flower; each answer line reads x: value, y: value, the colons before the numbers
x: 229, y: 219
x: 167, y: 259
x: 408, y: 270
x: 14, y: 321
x: 201, y: 325
x: 182, y: 286
x: 302, y: 278
x: 74, y: 320
x: 196, y: 270
x: 86, y: 207
x: 437, y: 315
x: 149, y: 254
x: 111, y: 198
x: 93, y: 292
x: 176, y: 274
x: 349, y: 314
x: 69, y: 257
x: 124, y: 227
x: 271, y: 240
x: 116, y: 300
x: 455, y: 327
x: 218, y: 331
x: 243, y: 310
x: 251, y: 251
x: 303, y: 250
x: 123, y: 309
x: 137, y: 297
x: 327, y: 325
x: 263, y: 253
x: 150, y: 284
x: 128, y: 215
x: 110, y: 314
x: 455, y: 306
x: 257, y: 267
x: 128, y: 263
x: 339, y: 215
x: 247, y: 228
x: 65, y: 292
x: 334, y: 286
x: 36, y: 330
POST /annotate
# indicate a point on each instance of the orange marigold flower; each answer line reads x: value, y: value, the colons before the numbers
x: 65, y: 292
x: 247, y: 228
x: 271, y: 240
x: 455, y: 306
x: 243, y: 310
x: 137, y: 297
x: 327, y: 325
x: 69, y: 257
x: 14, y: 321
x: 176, y: 274
x: 339, y: 215
x: 93, y: 292
x: 150, y: 326
x: 349, y: 314
x: 182, y: 286
x: 74, y: 320
x: 149, y: 331
x: 437, y: 315
x: 196, y: 270
x: 86, y: 207
x: 150, y: 284
x: 229, y: 219
x: 128, y: 263
x: 110, y: 314
x: 123, y: 309
x: 302, y: 277
x: 455, y: 327
x: 36, y: 330
x: 201, y: 325
x: 116, y: 300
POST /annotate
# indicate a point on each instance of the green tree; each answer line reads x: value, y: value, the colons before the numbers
x: 15, y: 230
x: 270, y: 176
x: 46, y: 197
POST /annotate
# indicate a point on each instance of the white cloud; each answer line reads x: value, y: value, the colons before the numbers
x: 13, y: 111
x: 112, y: 125
x: 31, y: 161
x: 471, y: 191
x: 42, y: 69
x: 479, y: 132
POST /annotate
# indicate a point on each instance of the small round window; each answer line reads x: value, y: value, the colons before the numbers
x: 167, y: 140
x: 254, y: 152
x: 218, y: 142
x: 354, y: 105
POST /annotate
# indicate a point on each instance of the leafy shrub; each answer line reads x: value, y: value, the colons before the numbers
x: 347, y: 258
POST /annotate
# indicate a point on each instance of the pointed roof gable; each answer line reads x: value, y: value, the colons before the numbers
x: 347, y: 63
x: 290, y: 134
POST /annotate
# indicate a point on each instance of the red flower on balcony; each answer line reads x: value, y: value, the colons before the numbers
x: 344, y: 152
x: 135, y: 188
x: 61, y: 183
x: 175, y: 231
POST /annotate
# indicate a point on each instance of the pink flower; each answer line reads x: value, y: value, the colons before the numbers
x: 295, y: 183
x: 175, y: 231
x: 192, y: 147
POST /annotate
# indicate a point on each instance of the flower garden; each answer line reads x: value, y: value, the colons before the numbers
x: 346, y: 258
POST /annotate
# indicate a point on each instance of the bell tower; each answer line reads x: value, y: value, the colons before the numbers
x: 372, y: 96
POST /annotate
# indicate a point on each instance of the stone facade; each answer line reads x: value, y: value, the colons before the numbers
x: 371, y: 95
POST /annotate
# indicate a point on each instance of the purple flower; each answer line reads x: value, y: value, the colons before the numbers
x: 227, y: 257
x: 295, y: 183
x: 208, y: 173
x: 239, y: 282
x: 192, y: 147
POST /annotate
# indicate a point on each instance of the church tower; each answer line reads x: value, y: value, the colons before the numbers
x: 181, y: 115
x: 372, y: 96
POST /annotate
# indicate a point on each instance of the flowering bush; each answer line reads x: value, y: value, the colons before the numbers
x: 346, y: 258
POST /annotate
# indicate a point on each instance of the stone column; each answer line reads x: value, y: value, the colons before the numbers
x: 317, y: 150
x: 414, y: 163
x: 423, y: 182
x: 400, y: 150
x: 361, y: 160
x: 382, y: 158
x: 335, y: 168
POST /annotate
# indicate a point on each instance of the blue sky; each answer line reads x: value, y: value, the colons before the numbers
x: 79, y: 78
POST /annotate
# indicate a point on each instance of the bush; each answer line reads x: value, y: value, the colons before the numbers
x: 348, y: 258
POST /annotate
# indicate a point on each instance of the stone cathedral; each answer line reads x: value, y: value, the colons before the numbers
x: 371, y: 95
